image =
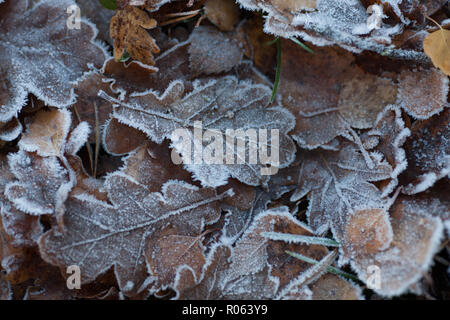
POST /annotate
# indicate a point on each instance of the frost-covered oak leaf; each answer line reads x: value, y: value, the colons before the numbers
x: 215, y: 282
x: 224, y: 105
x: 41, y: 55
x: 39, y: 182
x: 339, y: 191
x: 100, y: 235
x: 22, y: 229
x: 128, y: 30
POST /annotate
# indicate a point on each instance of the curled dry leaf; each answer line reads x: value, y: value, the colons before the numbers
x: 118, y: 234
x: 30, y: 40
x: 128, y: 30
x: 428, y: 153
x: 220, y: 104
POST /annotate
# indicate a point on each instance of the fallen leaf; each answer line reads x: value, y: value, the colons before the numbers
x: 128, y: 30
x: 222, y: 13
x: 428, y: 153
x: 437, y: 46
x: 31, y: 40
x: 94, y: 226
x: 220, y: 104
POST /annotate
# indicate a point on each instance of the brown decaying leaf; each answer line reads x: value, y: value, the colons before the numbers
x: 93, y: 225
x: 128, y: 30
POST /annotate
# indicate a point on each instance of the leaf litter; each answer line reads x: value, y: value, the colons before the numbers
x: 362, y: 178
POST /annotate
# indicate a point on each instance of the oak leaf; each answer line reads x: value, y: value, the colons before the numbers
x: 220, y: 104
x: 128, y: 30
x: 100, y: 235
x: 32, y: 39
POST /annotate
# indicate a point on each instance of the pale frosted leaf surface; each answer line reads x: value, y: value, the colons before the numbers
x: 330, y: 94
x: 5, y: 287
x: 215, y: 282
x: 77, y: 138
x: 32, y: 39
x: 254, y: 251
x: 47, y: 133
x: 22, y: 229
x: 220, y: 104
x: 10, y: 130
x: 38, y: 181
x: 100, y: 235
x: 329, y: 22
x: 423, y: 92
x: 427, y: 153
x: 212, y: 52
x: 338, y: 188
x: 416, y: 239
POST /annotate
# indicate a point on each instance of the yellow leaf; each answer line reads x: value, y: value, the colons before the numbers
x: 437, y: 46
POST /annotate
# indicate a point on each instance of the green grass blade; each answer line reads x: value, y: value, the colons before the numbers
x: 301, y: 44
x: 109, y: 4
x: 277, y: 75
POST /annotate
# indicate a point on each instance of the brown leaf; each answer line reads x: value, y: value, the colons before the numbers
x: 416, y: 240
x: 423, y: 93
x: 93, y: 226
x: 222, y: 13
x: 427, y: 152
x: 128, y: 30
x: 330, y: 94
x: 32, y: 39
x: 332, y: 287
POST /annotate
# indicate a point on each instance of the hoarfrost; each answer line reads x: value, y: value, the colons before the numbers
x: 32, y: 40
